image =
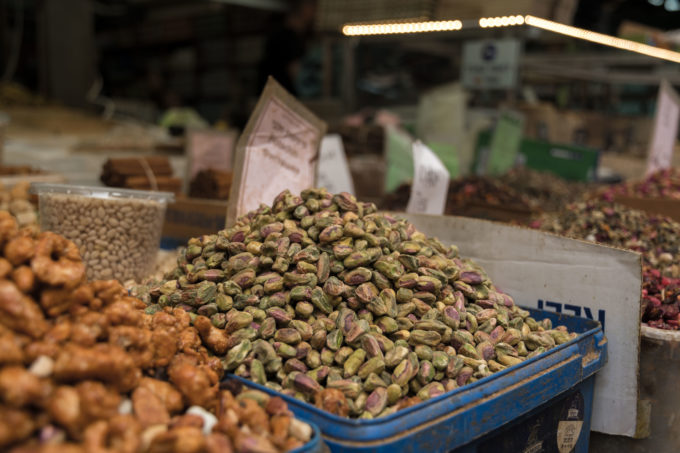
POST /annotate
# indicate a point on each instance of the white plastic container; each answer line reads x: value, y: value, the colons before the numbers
x: 117, y: 231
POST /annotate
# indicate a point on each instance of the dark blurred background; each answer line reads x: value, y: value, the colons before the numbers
x: 213, y: 55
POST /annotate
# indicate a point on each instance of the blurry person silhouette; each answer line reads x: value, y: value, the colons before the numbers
x: 287, y: 44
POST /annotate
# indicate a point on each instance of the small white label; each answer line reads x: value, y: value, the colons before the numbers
x: 430, y: 183
x: 665, y: 132
x: 568, y: 433
x: 333, y: 170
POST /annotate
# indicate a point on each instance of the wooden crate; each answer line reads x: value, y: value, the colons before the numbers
x: 508, y: 214
x: 653, y: 206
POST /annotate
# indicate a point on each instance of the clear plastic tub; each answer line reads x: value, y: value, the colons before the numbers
x: 117, y: 231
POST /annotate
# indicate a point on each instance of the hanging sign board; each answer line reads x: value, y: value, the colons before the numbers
x: 490, y: 64
x: 278, y: 150
x: 665, y: 133
x: 549, y: 272
x: 333, y: 171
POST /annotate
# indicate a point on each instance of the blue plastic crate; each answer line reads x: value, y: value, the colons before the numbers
x: 467, y: 418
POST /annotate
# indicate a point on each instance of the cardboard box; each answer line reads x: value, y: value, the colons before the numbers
x: 629, y: 134
x: 581, y: 128
x: 550, y: 272
x: 621, y: 134
x: 545, y: 122
x: 655, y: 206
x: 540, y: 121
x: 191, y: 217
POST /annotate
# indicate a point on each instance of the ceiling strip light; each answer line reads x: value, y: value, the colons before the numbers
x: 501, y: 21
x: 505, y: 21
x: 600, y: 38
x: 401, y: 27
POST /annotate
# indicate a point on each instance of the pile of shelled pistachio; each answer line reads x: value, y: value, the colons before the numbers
x: 325, y: 299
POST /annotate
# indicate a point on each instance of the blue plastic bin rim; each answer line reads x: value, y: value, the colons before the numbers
x: 107, y: 193
x: 592, y: 328
x: 314, y: 443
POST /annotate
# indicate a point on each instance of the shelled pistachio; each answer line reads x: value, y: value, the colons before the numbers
x: 335, y: 303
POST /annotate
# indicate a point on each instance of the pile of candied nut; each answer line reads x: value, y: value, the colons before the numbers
x: 83, y: 367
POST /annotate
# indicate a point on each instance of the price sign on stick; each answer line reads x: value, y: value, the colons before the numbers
x: 430, y: 183
x: 665, y: 132
x: 208, y: 149
x: 278, y: 150
x: 333, y: 171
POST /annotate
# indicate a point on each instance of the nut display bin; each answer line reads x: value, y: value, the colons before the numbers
x: 543, y: 404
x: 117, y: 231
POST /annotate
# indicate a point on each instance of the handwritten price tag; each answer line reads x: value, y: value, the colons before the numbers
x: 277, y: 151
x: 430, y: 183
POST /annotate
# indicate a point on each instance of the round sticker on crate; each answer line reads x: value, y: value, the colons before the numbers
x: 570, y: 424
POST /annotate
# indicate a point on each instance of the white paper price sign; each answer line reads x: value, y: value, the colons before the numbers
x: 665, y: 132
x: 430, y: 182
x: 277, y: 151
x: 333, y: 170
x: 208, y: 149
